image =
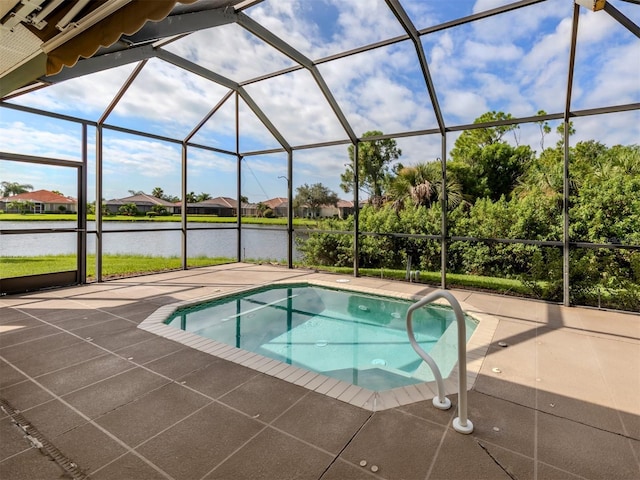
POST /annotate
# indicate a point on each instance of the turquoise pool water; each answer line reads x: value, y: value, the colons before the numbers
x: 355, y: 337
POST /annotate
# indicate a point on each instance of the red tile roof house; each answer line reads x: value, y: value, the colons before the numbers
x: 44, y: 201
x: 278, y: 205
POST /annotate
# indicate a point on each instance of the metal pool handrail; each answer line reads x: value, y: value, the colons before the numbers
x: 461, y: 423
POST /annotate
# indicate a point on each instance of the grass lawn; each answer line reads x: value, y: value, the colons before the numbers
x: 112, y: 265
x: 494, y: 284
x: 128, y: 265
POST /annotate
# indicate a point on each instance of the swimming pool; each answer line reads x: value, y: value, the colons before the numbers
x: 392, y: 377
x: 354, y: 337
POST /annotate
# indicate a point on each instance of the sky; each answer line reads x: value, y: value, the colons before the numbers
x: 515, y: 62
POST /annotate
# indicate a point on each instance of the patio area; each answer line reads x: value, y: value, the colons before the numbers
x: 80, y: 383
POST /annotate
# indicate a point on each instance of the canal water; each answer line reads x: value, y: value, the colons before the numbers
x: 258, y: 242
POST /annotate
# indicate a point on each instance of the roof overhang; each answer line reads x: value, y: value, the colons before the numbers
x: 38, y: 38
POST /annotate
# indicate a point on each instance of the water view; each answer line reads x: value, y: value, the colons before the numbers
x: 214, y: 241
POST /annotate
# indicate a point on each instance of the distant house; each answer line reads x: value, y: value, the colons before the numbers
x: 143, y: 202
x: 43, y: 201
x: 219, y: 206
x: 279, y: 206
x: 249, y: 210
x: 341, y: 210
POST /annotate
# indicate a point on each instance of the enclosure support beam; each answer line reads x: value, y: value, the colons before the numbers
x: 444, y: 227
x: 407, y: 25
x: 267, y: 36
x: 356, y: 212
x: 566, y: 297
x: 290, y: 209
x: 622, y: 19
x: 81, y: 251
x: 99, y: 149
x: 98, y: 207
x: 238, y: 182
x: 183, y: 210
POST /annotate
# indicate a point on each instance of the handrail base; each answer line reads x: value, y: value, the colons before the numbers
x: 457, y: 426
x: 445, y: 404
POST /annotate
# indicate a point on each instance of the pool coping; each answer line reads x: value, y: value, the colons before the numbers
x: 477, y: 347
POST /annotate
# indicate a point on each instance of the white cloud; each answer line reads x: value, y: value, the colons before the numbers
x: 286, y: 19
x: 361, y: 23
x: 257, y: 58
x: 479, y: 53
x: 295, y: 105
x: 516, y: 24
x: 48, y: 139
x: 464, y: 105
x: 169, y: 99
x: 612, y: 129
x: 617, y: 82
x: 86, y: 96
x: 131, y: 158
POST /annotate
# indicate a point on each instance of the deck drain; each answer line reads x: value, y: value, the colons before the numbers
x: 39, y: 441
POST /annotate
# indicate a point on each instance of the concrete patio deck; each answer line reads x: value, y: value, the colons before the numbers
x: 108, y: 400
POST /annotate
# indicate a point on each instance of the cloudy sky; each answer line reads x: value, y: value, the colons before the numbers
x: 515, y: 63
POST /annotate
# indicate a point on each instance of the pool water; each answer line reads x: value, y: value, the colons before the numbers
x: 355, y: 337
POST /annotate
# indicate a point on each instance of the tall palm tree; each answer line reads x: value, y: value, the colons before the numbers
x: 14, y: 188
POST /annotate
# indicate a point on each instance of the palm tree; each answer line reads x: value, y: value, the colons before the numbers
x: 422, y: 184
x: 261, y: 208
x: 21, y: 206
x: 14, y: 188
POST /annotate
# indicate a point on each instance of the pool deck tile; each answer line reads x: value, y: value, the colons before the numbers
x: 338, y: 389
x: 124, y: 404
x: 305, y: 379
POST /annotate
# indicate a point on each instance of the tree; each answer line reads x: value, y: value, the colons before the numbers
x: 261, y: 208
x: 22, y: 206
x: 157, y: 192
x: 484, y: 164
x: 14, y: 188
x: 159, y: 209
x: 545, y: 129
x: 560, y: 131
x: 374, y: 159
x: 314, y: 197
x: 128, y: 209
x: 191, y: 197
x: 422, y: 183
x: 202, y: 197
x: 136, y: 192
x: 470, y: 142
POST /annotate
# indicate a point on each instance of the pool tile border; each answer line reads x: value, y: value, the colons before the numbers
x: 477, y: 347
